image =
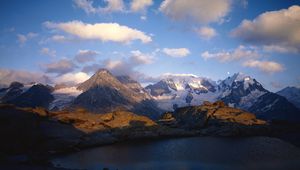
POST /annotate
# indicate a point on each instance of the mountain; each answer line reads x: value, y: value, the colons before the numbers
x: 104, y: 92
x: 28, y: 95
x: 14, y: 90
x: 292, y: 94
x: 240, y: 91
x: 173, y: 91
x: 38, y: 95
x: 271, y: 106
x: 182, y: 90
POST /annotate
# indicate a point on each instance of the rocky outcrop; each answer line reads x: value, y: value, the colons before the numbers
x: 45, y: 132
x: 214, y: 119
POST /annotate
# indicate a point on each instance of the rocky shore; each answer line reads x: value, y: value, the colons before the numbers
x: 34, y: 134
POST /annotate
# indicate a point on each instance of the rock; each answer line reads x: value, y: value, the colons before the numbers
x: 213, y: 119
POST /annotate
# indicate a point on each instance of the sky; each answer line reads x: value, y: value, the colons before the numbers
x: 66, y: 41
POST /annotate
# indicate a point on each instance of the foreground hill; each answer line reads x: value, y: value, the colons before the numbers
x: 42, y: 131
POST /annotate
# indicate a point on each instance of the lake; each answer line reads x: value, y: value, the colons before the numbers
x: 187, y: 153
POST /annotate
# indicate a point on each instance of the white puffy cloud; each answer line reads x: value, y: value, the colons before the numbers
x: 60, y: 67
x: 140, y: 5
x: 101, y: 31
x: 275, y: 29
x: 48, y: 52
x: 265, y: 66
x: 202, y: 11
x: 225, y: 56
x: 111, y: 6
x: 84, y: 56
x: 71, y: 78
x: 176, y: 52
x: 206, y: 32
x: 7, y: 76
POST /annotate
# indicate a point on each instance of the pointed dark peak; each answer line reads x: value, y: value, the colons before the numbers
x: 101, y: 78
x: 16, y: 84
x: 102, y: 71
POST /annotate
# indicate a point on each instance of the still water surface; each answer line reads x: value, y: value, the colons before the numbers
x: 187, y: 153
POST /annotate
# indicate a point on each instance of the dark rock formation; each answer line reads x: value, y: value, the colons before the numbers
x: 214, y: 119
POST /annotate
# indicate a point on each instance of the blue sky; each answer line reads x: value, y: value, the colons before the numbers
x: 148, y: 38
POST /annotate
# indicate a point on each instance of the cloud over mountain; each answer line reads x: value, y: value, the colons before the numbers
x: 60, y: 67
x: 277, y: 29
x: 240, y: 52
x: 265, y: 66
x: 100, y: 31
x: 8, y: 75
x: 84, y: 56
x: 71, y: 78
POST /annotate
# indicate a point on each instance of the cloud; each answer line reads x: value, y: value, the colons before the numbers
x: 71, y: 78
x: 225, y: 56
x: 84, y: 56
x: 206, y: 32
x: 279, y: 49
x: 22, y: 38
x: 265, y: 66
x: 203, y: 12
x: 101, y: 31
x: 92, y: 68
x: 276, y: 28
x: 58, y: 38
x: 48, y: 52
x: 140, y: 5
x: 60, y: 67
x: 176, y: 52
x: 144, y: 18
x: 111, y: 6
x: 141, y: 58
x: 124, y: 66
x: 7, y: 76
